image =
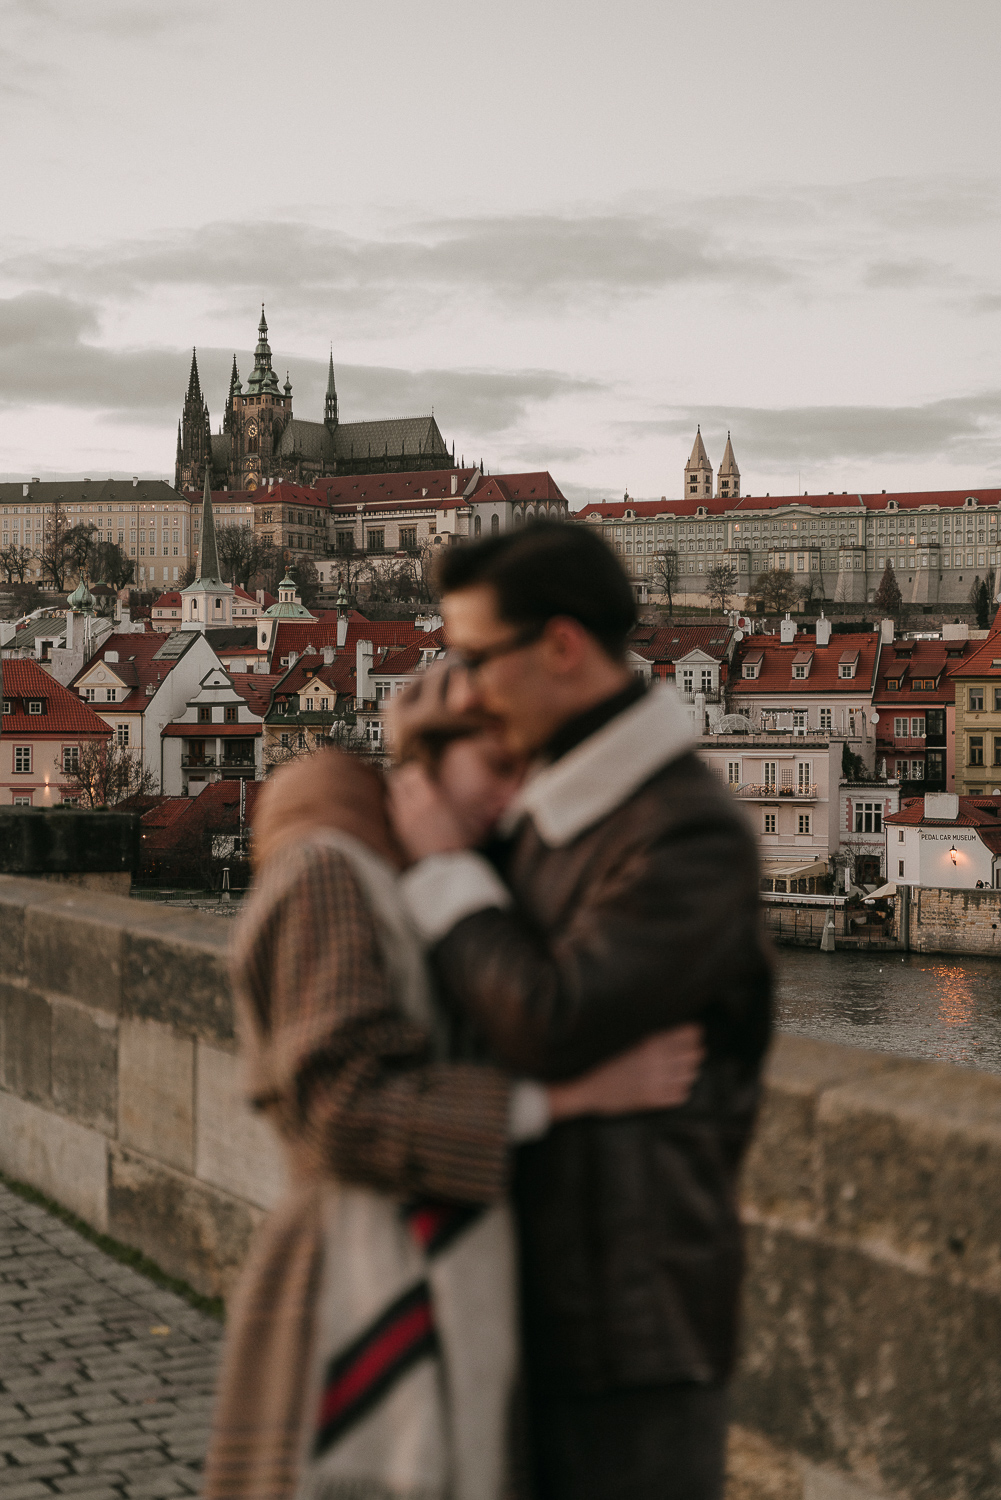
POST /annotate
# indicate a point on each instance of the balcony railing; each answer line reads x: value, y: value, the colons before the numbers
x: 710, y: 695
x: 237, y: 762
x: 753, y: 789
x: 197, y: 762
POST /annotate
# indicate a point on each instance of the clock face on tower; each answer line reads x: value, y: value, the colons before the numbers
x: 252, y: 429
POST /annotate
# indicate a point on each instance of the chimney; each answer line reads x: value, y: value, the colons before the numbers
x: 135, y: 481
x: 329, y: 652
x: 260, y: 597
x: 787, y: 630
x: 125, y: 615
x: 25, y: 490
x: 822, y: 630
x: 886, y: 632
x: 943, y: 806
x: 364, y: 660
x: 455, y: 483
x: 342, y: 631
x: 35, y: 479
x: 111, y: 656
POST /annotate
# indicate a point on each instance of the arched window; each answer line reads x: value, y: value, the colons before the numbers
x: 517, y: 519
x: 477, y: 526
x: 494, y: 525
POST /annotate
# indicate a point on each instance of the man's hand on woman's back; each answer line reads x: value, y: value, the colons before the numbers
x: 658, y: 1073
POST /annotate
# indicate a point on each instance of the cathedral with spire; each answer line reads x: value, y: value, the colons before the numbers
x: 699, y: 473
x: 260, y: 439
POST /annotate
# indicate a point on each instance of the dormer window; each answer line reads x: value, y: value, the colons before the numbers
x: 34, y: 705
x: 846, y: 669
x: 801, y: 663
x: 7, y: 706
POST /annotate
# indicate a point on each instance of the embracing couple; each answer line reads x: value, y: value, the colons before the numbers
x: 507, y: 1012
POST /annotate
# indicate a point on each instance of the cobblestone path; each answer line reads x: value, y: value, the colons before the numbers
x: 105, y: 1379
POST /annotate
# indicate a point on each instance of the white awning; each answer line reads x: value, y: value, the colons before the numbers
x: 792, y: 869
x: 885, y: 890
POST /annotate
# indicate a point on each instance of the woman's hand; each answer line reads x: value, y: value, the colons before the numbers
x: 422, y: 817
x: 658, y: 1073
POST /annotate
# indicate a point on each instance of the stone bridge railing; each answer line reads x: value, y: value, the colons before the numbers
x: 872, y: 1347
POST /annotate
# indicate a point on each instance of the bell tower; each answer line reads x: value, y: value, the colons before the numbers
x: 699, y: 472
x: 728, y: 477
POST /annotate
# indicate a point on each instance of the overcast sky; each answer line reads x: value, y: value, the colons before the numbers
x: 573, y: 229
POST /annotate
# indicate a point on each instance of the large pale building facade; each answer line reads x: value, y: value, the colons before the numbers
x: 836, y: 545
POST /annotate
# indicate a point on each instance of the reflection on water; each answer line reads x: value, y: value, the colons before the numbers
x: 917, y: 1005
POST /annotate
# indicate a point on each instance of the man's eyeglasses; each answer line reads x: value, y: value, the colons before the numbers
x: 472, y: 661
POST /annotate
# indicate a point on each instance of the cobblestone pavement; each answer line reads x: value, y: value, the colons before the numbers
x: 105, y: 1379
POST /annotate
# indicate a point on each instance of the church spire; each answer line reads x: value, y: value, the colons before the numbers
x: 208, y: 555
x: 728, y: 477
x: 330, y: 403
x: 194, y: 384
x: 698, y: 471
x: 262, y: 378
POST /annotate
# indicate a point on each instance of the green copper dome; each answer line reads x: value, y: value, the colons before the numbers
x: 81, y: 598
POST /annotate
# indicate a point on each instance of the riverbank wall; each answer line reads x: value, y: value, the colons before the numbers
x: 947, y: 921
x: 871, y: 1365
x: 928, y: 919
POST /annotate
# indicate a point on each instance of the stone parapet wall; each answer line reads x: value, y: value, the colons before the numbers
x: 961, y: 921
x: 872, y: 1347
x: 119, y: 1084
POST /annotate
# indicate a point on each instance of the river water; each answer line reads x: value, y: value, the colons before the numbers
x: 922, y: 1006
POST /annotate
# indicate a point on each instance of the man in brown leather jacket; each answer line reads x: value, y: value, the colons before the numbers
x: 624, y: 902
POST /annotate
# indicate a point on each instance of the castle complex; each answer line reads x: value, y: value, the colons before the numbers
x: 836, y: 546
x: 260, y: 439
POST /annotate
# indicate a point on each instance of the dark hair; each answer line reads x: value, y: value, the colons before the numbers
x: 549, y: 569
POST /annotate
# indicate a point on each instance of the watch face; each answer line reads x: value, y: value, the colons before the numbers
x: 252, y: 429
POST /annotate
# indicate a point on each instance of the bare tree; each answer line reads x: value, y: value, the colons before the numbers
x: 243, y: 554
x: 15, y: 561
x: 104, y: 774
x: 665, y: 576
x: 110, y: 565
x: 775, y: 591
x: 720, y: 585
x: 307, y: 579
x: 55, y: 555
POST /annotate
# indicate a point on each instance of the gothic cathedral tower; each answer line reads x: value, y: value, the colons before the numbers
x: 699, y: 472
x: 194, y: 437
x: 256, y: 417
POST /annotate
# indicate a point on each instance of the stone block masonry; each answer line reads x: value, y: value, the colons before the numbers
x: 119, y: 1090
x: 955, y: 921
x: 872, y: 1346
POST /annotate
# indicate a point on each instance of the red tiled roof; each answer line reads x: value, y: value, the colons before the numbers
x: 984, y: 659
x: 911, y: 660
x: 255, y: 688
x: 777, y: 659
x: 667, y: 642
x: 135, y: 666
x: 191, y: 731
x: 64, y: 712
x: 720, y: 504
x: 170, y: 600
x: 974, y: 812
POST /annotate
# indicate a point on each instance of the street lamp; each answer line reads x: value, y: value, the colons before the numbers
x: 952, y: 854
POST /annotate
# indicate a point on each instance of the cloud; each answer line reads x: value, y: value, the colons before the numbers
x: 542, y: 258
x: 905, y: 275
x: 961, y: 427
x: 48, y: 356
